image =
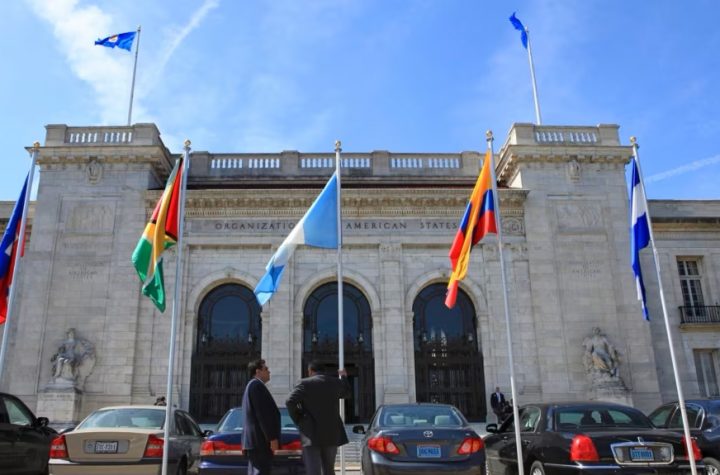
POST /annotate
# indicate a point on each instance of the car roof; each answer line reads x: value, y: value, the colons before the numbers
x: 137, y: 406
x: 579, y: 404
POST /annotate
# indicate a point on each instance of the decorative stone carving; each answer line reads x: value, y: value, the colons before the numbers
x: 513, y: 226
x: 573, y: 170
x: 601, y: 359
x: 581, y: 217
x: 93, y: 170
x: 73, y: 362
x: 89, y: 218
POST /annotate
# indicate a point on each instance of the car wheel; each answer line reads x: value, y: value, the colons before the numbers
x: 537, y: 468
x: 712, y: 466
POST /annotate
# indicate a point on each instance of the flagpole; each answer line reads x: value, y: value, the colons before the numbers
x: 656, y: 259
x: 18, y: 254
x: 132, y: 87
x: 341, y: 319
x: 176, y: 308
x: 534, y: 84
x: 498, y: 225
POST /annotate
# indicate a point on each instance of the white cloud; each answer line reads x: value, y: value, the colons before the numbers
x: 107, y: 71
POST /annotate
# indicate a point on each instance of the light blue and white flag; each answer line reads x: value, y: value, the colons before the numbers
x: 639, y: 232
x: 318, y: 228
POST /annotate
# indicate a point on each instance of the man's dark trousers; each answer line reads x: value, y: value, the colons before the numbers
x: 259, y: 461
x: 319, y: 460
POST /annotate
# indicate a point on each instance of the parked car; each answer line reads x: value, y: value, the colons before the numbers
x: 420, y: 438
x: 127, y: 439
x: 24, y: 438
x: 222, y: 452
x: 588, y: 437
x: 704, y: 421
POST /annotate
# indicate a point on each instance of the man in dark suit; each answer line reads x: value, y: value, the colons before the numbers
x: 261, y: 420
x: 497, y: 403
x: 314, y: 406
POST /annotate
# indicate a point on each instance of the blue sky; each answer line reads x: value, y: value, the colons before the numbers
x: 399, y: 75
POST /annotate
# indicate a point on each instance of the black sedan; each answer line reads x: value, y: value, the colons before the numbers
x: 420, y: 438
x: 586, y: 437
x: 24, y: 439
x: 704, y: 421
x: 222, y: 452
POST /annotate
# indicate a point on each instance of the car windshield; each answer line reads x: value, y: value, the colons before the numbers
x: 419, y: 416
x: 597, y: 417
x: 126, y: 417
x: 232, y: 421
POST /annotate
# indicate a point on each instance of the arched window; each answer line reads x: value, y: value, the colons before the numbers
x: 320, y: 343
x: 448, y: 363
x: 228, y: 337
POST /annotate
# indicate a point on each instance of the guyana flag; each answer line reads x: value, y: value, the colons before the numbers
x: 160, y: 233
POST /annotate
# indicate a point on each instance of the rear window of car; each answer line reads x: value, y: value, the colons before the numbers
x: 589, y: 418
x: 126, y: 417
x: 232, y: 421
x: 435, y: 416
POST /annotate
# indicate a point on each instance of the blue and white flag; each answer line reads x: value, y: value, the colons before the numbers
x: 639, y: 232
x: 121, y: 40
x: 318, y: 228
x: 519, y: 26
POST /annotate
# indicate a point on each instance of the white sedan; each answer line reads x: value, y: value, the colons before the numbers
x: 128, y: 440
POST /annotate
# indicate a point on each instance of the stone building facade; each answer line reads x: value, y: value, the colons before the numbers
x: 564, y: 210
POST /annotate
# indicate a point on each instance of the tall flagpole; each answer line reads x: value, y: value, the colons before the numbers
x: 132, y: 87
x: 656, y: 259
x: 341, y: 319
x: 176, y: 308
x: 18, y: 254
x: 538, y: 119
x: 498, y: 225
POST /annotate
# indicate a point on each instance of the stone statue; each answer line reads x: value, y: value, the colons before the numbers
x: 94, y: 171
x: 601, y: 359
x: 73, y: 362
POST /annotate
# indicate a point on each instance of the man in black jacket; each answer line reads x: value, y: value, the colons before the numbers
x: 261, y: 420
x: 497, y: 403
x: 314, y: 406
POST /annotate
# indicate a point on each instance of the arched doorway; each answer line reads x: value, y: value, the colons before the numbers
x: 228, y: 338
x: 448, y: 364
x: 320, y: 342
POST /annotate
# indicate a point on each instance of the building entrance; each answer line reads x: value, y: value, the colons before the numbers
x: 320, y: 343
x: 228, y: 338
x: 448, y: 364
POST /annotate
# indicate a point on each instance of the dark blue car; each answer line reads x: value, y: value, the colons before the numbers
x: 222, y: 452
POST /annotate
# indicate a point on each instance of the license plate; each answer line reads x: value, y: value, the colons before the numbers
x: 428, y: 451
x: 106, y: 447
x: 639, y: 454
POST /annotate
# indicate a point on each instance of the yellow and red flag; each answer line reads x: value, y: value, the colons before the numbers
x: 477, y: 221
x: 160, y: 233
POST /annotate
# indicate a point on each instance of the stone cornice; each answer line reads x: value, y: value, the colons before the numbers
x: 67, y: 156
x: 513, y: 156
x: 356, y: 202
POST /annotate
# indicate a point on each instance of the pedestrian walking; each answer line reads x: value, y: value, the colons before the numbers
x: 314, y: 406
x: 261, y: 420
x: 497, y: 403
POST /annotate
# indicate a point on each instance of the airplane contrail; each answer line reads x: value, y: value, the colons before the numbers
x: 683, y: 169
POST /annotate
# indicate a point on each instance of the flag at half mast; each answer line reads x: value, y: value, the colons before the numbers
x: 477, y: 221
x: 160, y: 233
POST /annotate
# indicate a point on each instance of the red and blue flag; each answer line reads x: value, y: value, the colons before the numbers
x: 8, y: 250
x: 476, y: 223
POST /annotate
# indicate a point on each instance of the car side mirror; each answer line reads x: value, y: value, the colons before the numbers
x: 358, y: 429
x: 207, y: 433
x: 42, y: 422
x: 491, y: 428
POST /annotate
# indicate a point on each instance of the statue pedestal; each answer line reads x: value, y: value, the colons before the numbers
x: 612, y: 390
x: 60, y: 404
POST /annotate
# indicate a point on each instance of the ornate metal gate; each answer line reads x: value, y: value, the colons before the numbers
x: 448, y: 364
x: 228, y: 338
x: 320, y: 343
